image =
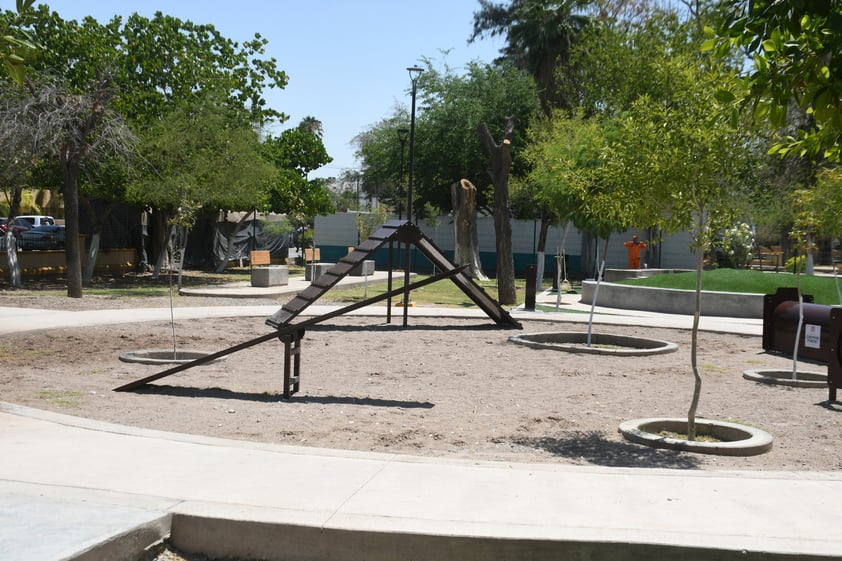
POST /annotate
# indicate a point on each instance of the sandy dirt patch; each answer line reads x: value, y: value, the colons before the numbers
x: 443, y: 387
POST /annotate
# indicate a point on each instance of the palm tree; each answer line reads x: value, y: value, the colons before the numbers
x: 312, y: 125
x: 540, y: 35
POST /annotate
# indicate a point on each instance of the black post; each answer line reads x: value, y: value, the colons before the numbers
x: 414, y: 73
x: 531, y: 277
x: 402, y: 134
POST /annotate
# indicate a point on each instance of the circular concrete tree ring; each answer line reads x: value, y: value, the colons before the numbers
x: 601, y: 343
x: 784, y: 378
x: 151, y: 356
x: 734, y: 439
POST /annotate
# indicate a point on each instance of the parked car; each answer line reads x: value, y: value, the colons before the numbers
x: 42, y: 237
x: 37, y: 220
x: 21, y: 224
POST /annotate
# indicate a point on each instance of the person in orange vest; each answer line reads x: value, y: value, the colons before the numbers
x: 635, y: 247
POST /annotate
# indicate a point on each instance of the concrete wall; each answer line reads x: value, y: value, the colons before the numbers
x: 335, y: 233
x: 668, y: 301
x: 51, y: 262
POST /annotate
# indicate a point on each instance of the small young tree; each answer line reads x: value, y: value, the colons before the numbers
x: 682, y: 159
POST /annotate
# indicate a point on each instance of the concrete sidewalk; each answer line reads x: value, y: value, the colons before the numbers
x: 77, y: 489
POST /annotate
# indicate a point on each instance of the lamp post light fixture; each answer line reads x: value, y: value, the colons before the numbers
x: 414, y: 74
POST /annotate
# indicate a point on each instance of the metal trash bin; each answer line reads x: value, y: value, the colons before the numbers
x: 821, y: 334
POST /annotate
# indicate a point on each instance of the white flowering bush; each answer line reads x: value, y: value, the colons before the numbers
x: 736, y: 243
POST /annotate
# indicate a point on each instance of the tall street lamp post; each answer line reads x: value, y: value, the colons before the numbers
x: 414, y: 74
x: 402, y: 134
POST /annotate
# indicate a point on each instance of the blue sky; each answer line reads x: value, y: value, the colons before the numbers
x: 346, y: 60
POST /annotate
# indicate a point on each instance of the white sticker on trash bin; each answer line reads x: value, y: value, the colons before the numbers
x: 813, y: 336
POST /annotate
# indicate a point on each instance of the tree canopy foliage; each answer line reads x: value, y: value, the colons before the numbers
x: 199, y: 154
x: 795, y: 50
x: 159, y: 61
x: 539, y: 37
x: 451, y: 108
x: 16, y: 42
x: 295, y: 153
x: 196, y: 101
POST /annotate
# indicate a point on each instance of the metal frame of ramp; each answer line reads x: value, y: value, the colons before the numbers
x: 404, y: 232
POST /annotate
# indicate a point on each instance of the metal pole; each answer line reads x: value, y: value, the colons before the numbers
x: 402, y: 133
x: 414, y: 73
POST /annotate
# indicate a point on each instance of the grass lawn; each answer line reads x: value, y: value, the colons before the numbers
x: 822, y: 288
x: 441, y: 293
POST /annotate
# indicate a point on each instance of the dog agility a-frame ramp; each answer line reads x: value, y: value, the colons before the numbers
x: 406, y: 233
x: 290, y: 334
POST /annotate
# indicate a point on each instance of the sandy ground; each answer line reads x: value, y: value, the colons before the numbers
x: 442, y: 387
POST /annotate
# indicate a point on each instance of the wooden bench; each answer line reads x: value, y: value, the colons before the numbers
x: 768, y: 258
x: 260, y: 257
x: 263, y: 273
x: 312, y: 255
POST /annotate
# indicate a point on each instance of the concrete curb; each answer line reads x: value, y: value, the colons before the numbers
x: 669, y: 301
x: 737, y: 440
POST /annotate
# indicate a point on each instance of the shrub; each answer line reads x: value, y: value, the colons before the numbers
x: 790, y: 264
x: 736, y: 244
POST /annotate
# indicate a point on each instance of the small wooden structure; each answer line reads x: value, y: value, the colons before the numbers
x: 290, y: 334
x: 768, y: 258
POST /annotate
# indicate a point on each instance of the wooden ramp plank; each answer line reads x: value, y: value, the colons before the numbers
x: 471, y: 289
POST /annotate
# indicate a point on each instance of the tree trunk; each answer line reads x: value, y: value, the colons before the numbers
x: 164, y: 253
x: 466, y: 246
x: 72, y: 246
x: 93, y: 251
x: 12, y: 259
x: 541, y: 250
x: 501, y: 163
x: 694, y: 338
x: 180, y: 246
x: 229, y: 249
x: 161, y: 237
x: 98, y: 220
x: 11, y: 245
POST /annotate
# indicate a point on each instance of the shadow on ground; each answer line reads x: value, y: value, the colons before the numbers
x: 266, y: 397
x: 594, y: 448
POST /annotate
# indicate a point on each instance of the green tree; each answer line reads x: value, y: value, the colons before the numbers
x: 565, y: 159
x: 312, y: 125
x: 794, y: 48
x: 449, y: 145
x: 614, y: 63
x: 384, y: 159
x: 161, y: 61
x: 659, y: 150
x: 452, y: 108
x: 679, y: 164
x: 199, y: 155
x: 16, y: 42
x: 158, y: 62
x: 295, y: 153
x: 615, y: 60
x: 75, y: 130
x: 539, y: 37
